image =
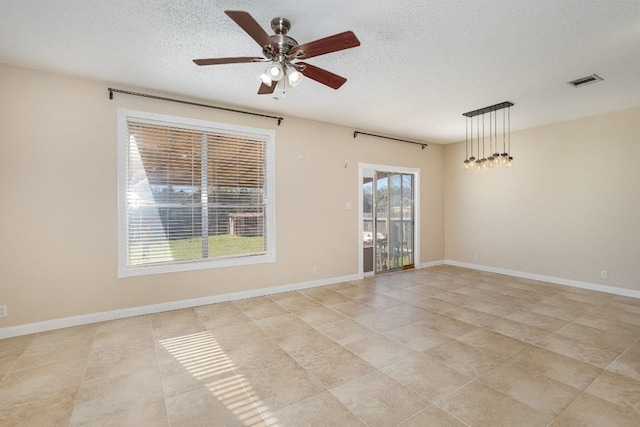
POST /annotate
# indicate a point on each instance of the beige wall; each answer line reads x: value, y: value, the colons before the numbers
x: 569, y: 208
x: 58, y: 216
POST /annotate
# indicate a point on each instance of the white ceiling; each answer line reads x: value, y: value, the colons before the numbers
x: 421, y: 63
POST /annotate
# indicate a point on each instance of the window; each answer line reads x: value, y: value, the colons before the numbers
x: 193, y: 194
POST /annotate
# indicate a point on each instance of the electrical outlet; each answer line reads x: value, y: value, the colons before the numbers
x: 604, y: 274
x: 314, y: 270
x: 475, y: 257
x: 3, y: 311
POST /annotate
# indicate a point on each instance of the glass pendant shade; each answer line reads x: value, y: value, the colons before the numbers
x: 275, y: 71
x: 293, y: 76
x: 264, y: 78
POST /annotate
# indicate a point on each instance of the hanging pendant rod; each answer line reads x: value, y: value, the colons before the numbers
x: 422, y: 144
x: 489, y: 109
x: 162, y: 98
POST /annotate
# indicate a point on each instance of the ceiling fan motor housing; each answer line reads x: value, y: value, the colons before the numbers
x: 282, y: 43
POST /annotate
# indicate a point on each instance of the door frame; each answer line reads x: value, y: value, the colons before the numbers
x: 363, y: 169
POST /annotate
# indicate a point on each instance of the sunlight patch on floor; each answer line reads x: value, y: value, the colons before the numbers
x: 202, y: 356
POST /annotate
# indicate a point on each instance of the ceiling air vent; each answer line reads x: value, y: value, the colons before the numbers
x: 583, y: 81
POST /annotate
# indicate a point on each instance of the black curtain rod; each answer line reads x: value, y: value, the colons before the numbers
x: 422, y: 144
x: 162, y: 98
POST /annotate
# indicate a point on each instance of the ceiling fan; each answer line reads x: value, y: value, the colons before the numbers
x: 281, y: 51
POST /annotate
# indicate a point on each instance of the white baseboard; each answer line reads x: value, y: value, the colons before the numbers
x: 560, y: 281
x: 431, y: 264
x: 49, y: 325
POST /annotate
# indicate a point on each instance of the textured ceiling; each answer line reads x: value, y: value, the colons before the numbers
x: 421, y: 64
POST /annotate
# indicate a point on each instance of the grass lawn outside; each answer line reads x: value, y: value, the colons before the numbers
x: 191, y: 248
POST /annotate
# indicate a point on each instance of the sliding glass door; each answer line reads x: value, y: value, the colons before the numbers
x: 393, y: 195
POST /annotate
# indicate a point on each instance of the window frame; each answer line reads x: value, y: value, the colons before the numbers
x: 124, y: 270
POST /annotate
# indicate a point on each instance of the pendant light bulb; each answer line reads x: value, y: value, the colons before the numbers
x: 275, y: 71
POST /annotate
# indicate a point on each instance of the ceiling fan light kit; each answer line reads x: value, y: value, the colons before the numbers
x: 281, y: 51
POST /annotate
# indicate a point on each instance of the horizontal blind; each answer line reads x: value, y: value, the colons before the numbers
x: 193, y: 194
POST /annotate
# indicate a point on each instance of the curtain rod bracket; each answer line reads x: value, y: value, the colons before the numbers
x: 422, y: 144
x: 162, y: 98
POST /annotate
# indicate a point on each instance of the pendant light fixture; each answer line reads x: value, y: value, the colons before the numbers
x: 496, y: 158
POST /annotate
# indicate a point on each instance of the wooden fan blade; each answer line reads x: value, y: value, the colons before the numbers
x: 266, y: 90
x: 234, y: 60
x: 329, y: 44
x: 246, y: 21
x: 323, y: 76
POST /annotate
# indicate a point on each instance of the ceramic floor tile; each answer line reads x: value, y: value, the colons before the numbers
x: 325, y: 296
x: 120, y: 361
x: 320, y: 315
x: 108, y: 396
x: 75, y: 334
x: 379, y: 301
x: 279, y: 385
x: 426, y: 376
x: 464, y: 358
x: 294, y: 305
x: 321, y: 410
x: 353, y: 308
x: 579, y: 350
x: 109, y: 338
x: 618, y: 389
x: 216, y: 319
x: 174, y: 324
x: 617, y: 341
x: 380, y: 351
x: 448, y: 326
x: 30, y: 384
x: 264, y: 310
x: 590, y: 411
x: 283, y: 324
x: 537, y: 391
x: 564, y: 301
x: 47, y: 353
x: 556, y: 366
x: 305, y: 343
x: 493, y: 343
x: 257, y: 354
x: 335, y: 366
x: 384, y: 320
x: 7, y: 359
x: 628, y: 363
x: 16, y: 343
x: 47, y: 410
x: 200, y: 407
x: 609, y: 325
x: 517, y: 330
x: 537, y: 320
x: 346, y: 331
x: 559, y: 312
x: 238, y: 334
x: 620, y: 312
x: 379, y: 400
x: 435, y: 304
x: 490, y: 307
x: 479, y: 405
x: 473, y: 317
x: 153, y: 414
x: 432, y: 416
x: 417, y: 337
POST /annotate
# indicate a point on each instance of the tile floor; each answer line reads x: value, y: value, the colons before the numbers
x: 443, y: 346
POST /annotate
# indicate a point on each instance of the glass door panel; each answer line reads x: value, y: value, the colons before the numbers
x: 393, y: 237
